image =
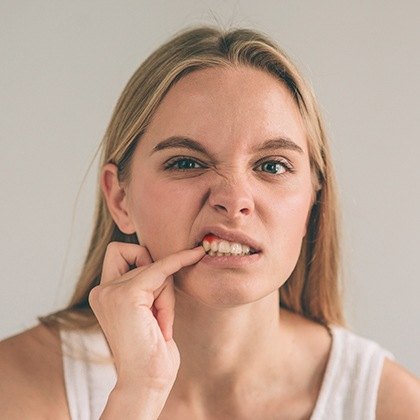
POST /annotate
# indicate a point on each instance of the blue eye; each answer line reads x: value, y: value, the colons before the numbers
x: 183, y: 164
x: 274, y: 167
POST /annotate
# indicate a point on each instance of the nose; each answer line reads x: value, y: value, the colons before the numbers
x: 232, y: 198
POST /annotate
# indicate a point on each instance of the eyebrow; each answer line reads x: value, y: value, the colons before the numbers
x: 278, y: 143
x: 188, y: 143
x: 180, y: 142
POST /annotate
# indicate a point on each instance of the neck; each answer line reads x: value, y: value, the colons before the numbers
x: 225, y: 348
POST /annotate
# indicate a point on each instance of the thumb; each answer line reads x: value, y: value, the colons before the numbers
x: 164, y: 306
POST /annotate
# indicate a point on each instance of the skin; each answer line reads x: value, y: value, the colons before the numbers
x: 240, y: 356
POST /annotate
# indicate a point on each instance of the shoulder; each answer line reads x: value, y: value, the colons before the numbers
x: 311, y: 343
x: 398, y: 394
x: 311, y: 336
x: 31, y: 383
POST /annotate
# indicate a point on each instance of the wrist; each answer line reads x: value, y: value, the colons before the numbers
x: 129, y: 402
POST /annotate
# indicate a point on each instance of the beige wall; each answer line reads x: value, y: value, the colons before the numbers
x: 65, y: 63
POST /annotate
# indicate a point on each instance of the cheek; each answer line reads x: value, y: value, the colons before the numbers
x: 290, y: 209
x: 291, y: 215
x: 162, y: 214
x: 296, y: 216
x: 300, y: 207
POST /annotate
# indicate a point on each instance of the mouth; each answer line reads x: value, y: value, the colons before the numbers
x: 218, y: 247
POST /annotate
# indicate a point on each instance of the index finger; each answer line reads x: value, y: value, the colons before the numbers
x: 170, y: 264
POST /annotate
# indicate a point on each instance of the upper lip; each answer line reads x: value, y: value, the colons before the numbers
x: 230, y: 236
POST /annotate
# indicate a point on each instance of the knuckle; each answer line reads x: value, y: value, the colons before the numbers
x: 98, y: 294
x: 93, y: 294
x: 93, y: 297
x: 112, y: 246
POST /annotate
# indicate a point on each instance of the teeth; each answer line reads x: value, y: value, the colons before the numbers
x: 236, y: 248
x: 206, y: 246
x: 245, y: 249
x: 223, y: 247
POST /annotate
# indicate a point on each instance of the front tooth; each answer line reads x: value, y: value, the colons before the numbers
x: 206, y: 246
x: 224, y: 246
x: 214, y: 246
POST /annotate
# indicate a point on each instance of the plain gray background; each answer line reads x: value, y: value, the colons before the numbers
x: 64, y: 64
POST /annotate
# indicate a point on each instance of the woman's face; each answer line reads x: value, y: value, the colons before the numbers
x: 244, y: 169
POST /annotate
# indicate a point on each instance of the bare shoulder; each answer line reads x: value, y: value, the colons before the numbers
x: 313, y: 334
x: 399, y: 393
x: 312, y: 341
x: 31, y: 380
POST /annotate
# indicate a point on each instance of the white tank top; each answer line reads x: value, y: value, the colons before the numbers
x: 348, y: 392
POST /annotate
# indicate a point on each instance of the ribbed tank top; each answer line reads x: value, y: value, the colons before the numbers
x: 348, y: 392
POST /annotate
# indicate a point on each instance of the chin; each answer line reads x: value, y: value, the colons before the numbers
x: 228, y: 290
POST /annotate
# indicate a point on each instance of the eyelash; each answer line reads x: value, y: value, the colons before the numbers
x: 171, y: 165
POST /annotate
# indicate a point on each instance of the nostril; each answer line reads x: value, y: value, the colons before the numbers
x: 219, y: 206
x: 232, y: 203
x: 245, y: 211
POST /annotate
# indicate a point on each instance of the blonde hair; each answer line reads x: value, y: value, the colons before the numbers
x: 313, y: 288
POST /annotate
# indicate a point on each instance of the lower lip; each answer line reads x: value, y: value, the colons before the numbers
x: 231, y: 261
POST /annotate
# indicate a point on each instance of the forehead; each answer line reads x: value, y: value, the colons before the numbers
x: 234, y: 106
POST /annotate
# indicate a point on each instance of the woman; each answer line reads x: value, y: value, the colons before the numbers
x: 213, y: 266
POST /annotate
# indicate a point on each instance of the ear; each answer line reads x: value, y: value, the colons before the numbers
x: 116, y: 198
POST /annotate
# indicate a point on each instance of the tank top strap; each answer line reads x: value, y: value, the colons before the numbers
x: 89, y: 372
x: 351, y: 381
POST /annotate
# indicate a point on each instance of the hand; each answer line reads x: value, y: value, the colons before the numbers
x: 135, y: 310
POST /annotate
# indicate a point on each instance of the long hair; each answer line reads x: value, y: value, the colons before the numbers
x: 313, y: 288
